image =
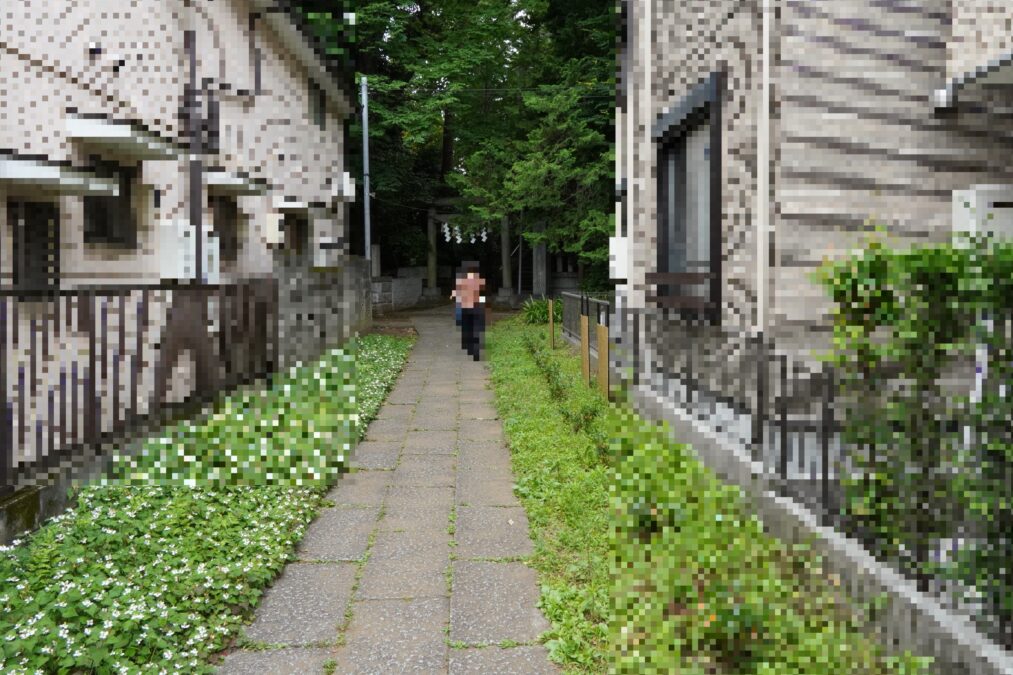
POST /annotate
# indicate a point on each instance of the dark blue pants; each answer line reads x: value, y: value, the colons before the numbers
x: 472, y: 326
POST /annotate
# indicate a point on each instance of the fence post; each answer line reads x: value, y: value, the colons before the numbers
x: 828, y: 411
x: 760, y: 413
x: 636, y: 347
x: 783, y: 414
x: 603, y: 359
x: 585, y: 346
x: 552, y: 325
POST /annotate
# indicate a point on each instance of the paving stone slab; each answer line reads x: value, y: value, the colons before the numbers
x: 474, y: 491
x: 481, y: 397
x: 376, y: 460
x: 396, y: 636
x: 475, y: 454
x: 440, y: 422
x: 305, y: 604
x: 412, y: 496
x: 425, y: 471
x: 487, y: 464
x: 361, y: 488
x: 441, y: 391
x: 477, y: 411
x: 440, y: 413
x: 493, y: 602
x: 410, y: 545
x: 480, y: 430
x: 390, y: 579
x: 277, y: 661
x: 396, y: 413
x: 409, y: 517
x: 406, y: 398
x: 530, y: 660
x: 492, y: 532
x: 338, y: 533
x: 431, y: 442
x: 385, y: 430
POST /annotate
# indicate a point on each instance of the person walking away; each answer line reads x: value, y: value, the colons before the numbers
x: 468, y: 294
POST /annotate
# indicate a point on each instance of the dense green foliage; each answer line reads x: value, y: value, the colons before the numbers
x: 156, y: 579
x: 489, y: 109
x: 930, y: 453
x: 537, y: 311
x: 696, y: 586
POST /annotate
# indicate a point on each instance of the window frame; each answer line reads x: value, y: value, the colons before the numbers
x: 702, y: 105
x: 123, y: 234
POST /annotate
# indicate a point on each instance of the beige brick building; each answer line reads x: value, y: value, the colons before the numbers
x: 756, y: 139
x: 100, y: 277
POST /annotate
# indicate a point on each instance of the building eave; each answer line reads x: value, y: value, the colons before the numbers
x: 120, y: 139
x: 998, y: 71
x: 19, y: 174
x: 279, y: 18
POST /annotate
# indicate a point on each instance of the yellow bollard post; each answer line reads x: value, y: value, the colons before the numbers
x: 552, y: 325
x: 603, y: 359
x: 585, y: 347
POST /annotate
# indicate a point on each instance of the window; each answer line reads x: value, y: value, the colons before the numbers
x: 318, y: 105
x: 112, y: 220
x: 297, y: 234
x: 35, y: 227
x: 225, y: 212
x: 688, y: 273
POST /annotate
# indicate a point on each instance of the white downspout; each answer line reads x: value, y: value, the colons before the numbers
x: 763, y: 177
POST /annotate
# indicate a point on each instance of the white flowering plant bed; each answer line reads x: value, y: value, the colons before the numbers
x: 158, y: 578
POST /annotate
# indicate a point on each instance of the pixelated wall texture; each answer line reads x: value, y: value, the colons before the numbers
x: 126, y: 62
x: 982, y: 33
x: 855, y: 141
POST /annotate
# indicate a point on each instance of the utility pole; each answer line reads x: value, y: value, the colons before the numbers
x: 365, y: 162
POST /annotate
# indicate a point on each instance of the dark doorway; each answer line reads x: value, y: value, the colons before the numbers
x: 35, y: 229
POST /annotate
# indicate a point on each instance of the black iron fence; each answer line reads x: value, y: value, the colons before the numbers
x: 797, y: 419
x: 78, y: 367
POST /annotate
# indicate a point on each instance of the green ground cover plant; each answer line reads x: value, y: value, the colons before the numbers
x: 648, y: 563
x: 157, y: 579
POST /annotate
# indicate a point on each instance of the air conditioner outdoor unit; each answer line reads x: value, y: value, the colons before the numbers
x: 984, y: 209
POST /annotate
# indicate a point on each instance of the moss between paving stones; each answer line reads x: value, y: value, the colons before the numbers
x: 157, y: 579
x: 648, y: 563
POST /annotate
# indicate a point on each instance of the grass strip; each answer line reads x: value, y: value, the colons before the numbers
x: 648, y: 562
x: 157, y: 579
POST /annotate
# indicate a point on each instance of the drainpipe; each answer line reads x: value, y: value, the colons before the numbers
x: 763, y: 177
x: 196, y: 179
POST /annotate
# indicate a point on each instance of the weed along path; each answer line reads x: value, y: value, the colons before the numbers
x: 420, y: 565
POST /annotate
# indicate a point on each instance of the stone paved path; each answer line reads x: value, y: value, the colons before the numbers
x: 419, y: 566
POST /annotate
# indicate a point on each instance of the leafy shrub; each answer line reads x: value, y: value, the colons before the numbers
x: 905, y: 322
x: 536, y: 311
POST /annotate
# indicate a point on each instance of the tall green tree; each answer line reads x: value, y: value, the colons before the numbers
x: 496, y: 107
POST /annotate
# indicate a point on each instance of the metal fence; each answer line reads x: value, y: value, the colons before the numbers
x: 78, y: 367
x: 788, y: 410
x: 597, y: 308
